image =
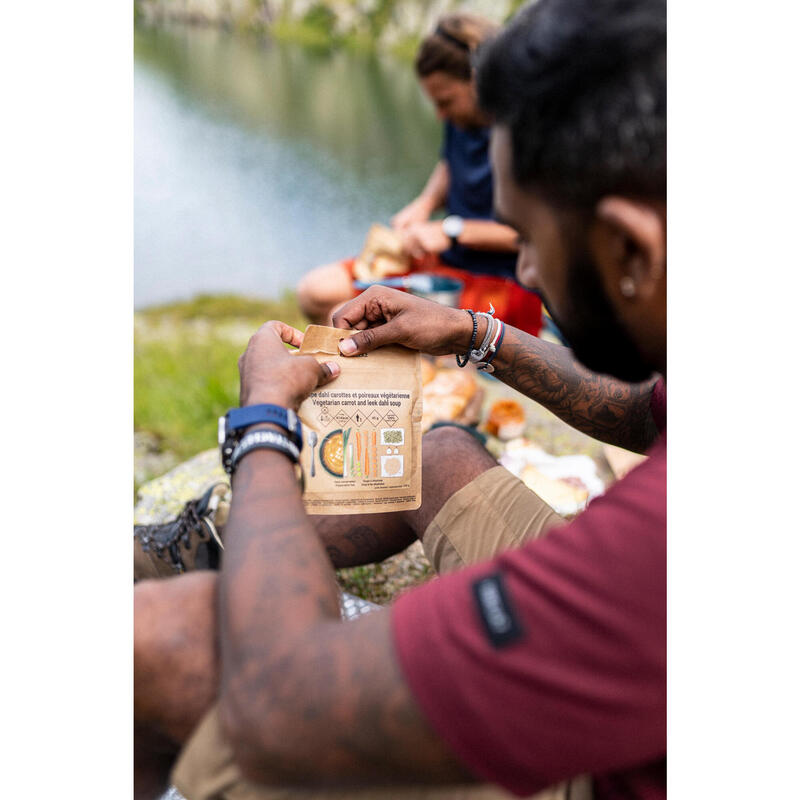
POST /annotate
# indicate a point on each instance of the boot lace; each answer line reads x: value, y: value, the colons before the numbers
x: 164, y: 539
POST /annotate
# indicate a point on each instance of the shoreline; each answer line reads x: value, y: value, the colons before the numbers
x: 393, y: 27
x: 307, y: 34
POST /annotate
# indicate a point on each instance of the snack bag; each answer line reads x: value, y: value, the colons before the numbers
x: 363, y: 438
x: 381, y: 256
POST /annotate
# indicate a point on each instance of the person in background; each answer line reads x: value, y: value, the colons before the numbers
x: 468, y: 244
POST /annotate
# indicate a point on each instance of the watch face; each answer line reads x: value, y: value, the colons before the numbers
x: 452, y: 226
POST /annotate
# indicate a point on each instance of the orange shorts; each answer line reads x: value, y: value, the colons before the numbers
x: 513, y: 304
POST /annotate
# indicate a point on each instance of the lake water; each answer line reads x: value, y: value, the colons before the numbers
x: 255, y: 161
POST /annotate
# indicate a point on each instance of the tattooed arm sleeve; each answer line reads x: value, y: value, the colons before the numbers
x: 598, y: 405
x: 306, y: 699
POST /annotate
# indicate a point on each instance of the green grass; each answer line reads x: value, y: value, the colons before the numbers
x: 180, y: 388
x: 185, y: 364
x: 229, y: 307
x: 381, y: 583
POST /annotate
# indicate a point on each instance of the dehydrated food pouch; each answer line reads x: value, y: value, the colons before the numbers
x: 383, y: 255
x: 363, y: 435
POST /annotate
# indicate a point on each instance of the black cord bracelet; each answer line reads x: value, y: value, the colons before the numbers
x: 472, y: 341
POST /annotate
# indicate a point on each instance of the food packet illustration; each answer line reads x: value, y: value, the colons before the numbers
x: 363, y: 437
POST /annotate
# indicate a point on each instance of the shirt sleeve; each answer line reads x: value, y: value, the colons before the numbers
x: 579, y: 684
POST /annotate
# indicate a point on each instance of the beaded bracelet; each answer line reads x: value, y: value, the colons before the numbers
x: 465, y: 357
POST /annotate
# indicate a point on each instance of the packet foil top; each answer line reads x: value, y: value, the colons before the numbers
x: 363, y: 434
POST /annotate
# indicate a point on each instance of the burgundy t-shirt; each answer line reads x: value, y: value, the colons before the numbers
x: 549, y: 661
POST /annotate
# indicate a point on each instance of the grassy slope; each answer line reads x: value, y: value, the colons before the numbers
x: 185, y: 364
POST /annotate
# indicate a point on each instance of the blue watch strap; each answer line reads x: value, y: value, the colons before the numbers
x: 239, y: 418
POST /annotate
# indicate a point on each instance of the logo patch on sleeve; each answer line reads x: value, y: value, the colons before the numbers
x: 497, y: 614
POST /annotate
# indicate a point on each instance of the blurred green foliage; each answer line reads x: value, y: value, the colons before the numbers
x: 185, y: 364
x: 180, y: 388
x: 230, y: 307
x: 316, y: 26
x: 515, y: 6
x: 321, y: 17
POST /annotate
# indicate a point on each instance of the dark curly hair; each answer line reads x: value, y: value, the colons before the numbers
x: 581, y: 85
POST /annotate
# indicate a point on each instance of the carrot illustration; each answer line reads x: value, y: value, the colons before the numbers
x: 366, y: 460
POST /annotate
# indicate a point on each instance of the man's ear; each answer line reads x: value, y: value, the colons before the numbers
x: 629, y: 244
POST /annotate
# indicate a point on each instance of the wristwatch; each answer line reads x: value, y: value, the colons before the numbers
x: 453, y: 226
x: 232, y: 426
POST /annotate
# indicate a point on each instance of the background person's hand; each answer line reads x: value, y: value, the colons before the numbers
x: 424, y: 237
x: 269, y: 373
x: 386, y: 316
x: 418, y: 210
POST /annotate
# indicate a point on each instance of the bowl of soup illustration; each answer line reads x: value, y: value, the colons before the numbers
x: 331, y: 453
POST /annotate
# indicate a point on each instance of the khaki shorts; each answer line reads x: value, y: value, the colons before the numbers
x: 494, y: 512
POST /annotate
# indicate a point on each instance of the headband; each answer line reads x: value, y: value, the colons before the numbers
x: 452, y: 39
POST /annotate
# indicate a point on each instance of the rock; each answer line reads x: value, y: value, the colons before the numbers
x: 149, y: 460
x: 164, y: 497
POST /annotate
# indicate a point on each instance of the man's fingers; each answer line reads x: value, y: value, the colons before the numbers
x: 328, y: 371
x: 280, y: 330
x: 288, y: 334
x: 360, y: 311
x: 351, y: 314
x: 369, y: 339
x: 373, y: 306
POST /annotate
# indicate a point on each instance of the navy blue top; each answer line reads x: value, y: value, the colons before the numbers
x: 470, y: 196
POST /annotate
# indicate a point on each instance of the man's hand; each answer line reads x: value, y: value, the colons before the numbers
x: 387, y: 316
x: 424, y: 237
x: 418, y: 210
x: 269, y: 373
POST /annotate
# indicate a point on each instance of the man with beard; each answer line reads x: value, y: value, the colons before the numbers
x: 537, y: 658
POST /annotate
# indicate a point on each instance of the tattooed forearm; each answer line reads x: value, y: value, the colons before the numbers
x: 339, y: 713
x: 305, y: 698
x: 275, y: 573
x: 598, y: 405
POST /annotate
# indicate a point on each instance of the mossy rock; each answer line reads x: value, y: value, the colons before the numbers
x: 162, y: 499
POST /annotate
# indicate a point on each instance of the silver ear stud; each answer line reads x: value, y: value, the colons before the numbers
x: 627, y: 286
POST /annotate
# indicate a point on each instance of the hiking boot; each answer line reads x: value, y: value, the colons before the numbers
x: 191, y: 541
